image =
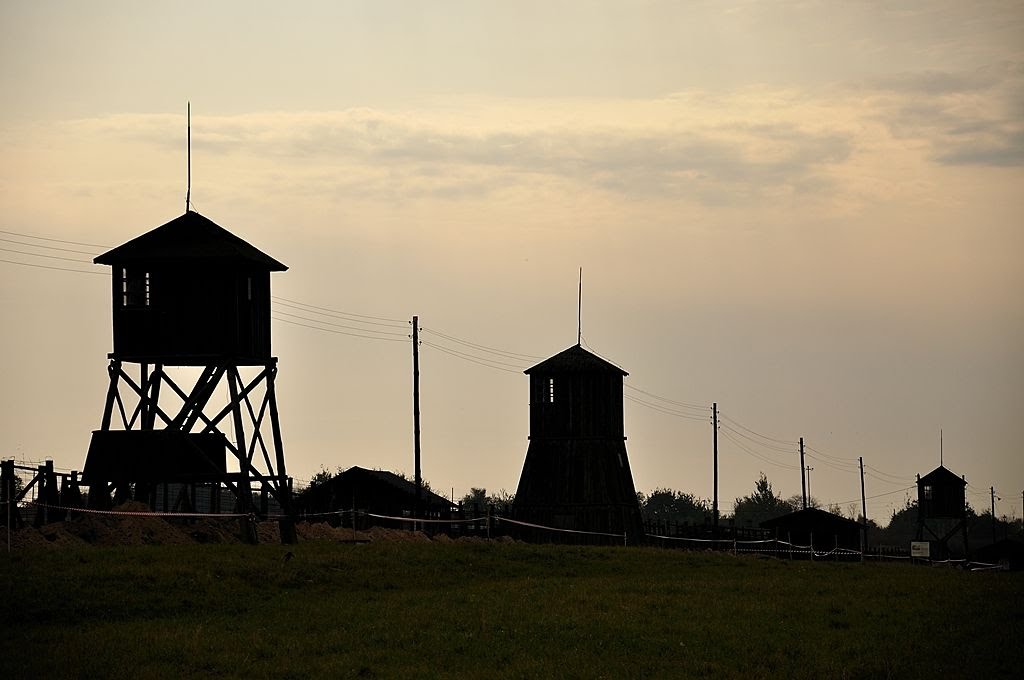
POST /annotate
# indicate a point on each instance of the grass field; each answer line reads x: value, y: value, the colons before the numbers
x: 492, y: 610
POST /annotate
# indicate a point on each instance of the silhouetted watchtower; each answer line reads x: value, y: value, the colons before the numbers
x: 576, y: 475
x: 189, y: 294
x: 941, y: 508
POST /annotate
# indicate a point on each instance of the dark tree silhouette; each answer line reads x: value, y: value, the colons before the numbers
x: 761, y: 505
x: 673, y: 506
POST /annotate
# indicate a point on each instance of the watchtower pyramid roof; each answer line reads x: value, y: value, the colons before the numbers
x: 189, y: 238
x: 575, y: 360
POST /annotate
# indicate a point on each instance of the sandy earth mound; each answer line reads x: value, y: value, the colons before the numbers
x: 82, y: 528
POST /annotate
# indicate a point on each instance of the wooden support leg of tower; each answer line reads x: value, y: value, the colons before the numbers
x: 11, y: 517
x: 153, y: 398
x: 249, y: 532
x: 287, y: 523
x: 114, y: 370
x: 138, y: 403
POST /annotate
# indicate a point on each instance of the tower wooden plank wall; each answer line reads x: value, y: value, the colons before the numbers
x: 576, y: 475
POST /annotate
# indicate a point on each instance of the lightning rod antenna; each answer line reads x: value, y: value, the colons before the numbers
x: 188, y: 155
x: 579, y: 311
x: 940, y: 447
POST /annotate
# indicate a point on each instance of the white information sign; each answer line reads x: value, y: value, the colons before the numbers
x: 920, y: 549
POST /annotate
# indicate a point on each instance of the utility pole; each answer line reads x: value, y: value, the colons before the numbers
x: 803, y: 481
x: 809, y: 471
x: 863, y: 512
x: 992, y: 492
x: 416, y: 407
x: 714, y: 503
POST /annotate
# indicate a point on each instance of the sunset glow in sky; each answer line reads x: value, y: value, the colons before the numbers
x: 811, y: 213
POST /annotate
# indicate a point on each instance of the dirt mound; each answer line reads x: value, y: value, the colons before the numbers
x: 138, y: 526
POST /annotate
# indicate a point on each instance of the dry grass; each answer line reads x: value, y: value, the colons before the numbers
x: 489, y: 609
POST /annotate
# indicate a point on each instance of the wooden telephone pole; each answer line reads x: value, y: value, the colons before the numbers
x: 714, y: 503
x: 863, y: 512
x: 416, y: 407
x: 803, y: 479
x: 992, y: 490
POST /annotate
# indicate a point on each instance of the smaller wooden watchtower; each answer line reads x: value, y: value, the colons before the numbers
x: 189, y: 294
x: 576, y: 474
x: 941, y: 508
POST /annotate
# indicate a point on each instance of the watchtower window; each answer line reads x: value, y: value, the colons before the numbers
x: 926, y: 492
x: 134, y: 289
x: 551, y: 391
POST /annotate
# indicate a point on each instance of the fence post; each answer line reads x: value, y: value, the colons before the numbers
x: 7, y: 495
x: 42, y: 516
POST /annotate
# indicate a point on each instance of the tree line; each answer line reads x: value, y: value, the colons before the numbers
x: 668, y: 505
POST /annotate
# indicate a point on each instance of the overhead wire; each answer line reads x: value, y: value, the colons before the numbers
x: 61, y: 269
x: 878, y: 495
x: 840, y: 460
x: 338, y: 325
x: 681, y: 404
x: 485, y: 348
x: 337, y: 332
x: 49, y: 257
x: 755, y: 432
x: 835, y: 466
x: 40, y: 245
x: 791, y: 449
x: 472, y: 359
x: 760, y: 457
x: 665, y: 410
x: 52, y: 240
x: 343, y: 313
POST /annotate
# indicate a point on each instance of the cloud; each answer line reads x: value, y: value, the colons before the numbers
x: 826, y: 151
x: 966, y: 118
x: 656, y: 150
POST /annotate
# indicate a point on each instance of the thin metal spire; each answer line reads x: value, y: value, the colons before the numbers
x: 940, y: 447
x: 579, y: 312
x: 188, y: 185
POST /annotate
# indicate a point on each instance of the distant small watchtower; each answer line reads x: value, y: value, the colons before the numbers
x: 576, y: 474
x: 941, y: 508
x: 189, y: 294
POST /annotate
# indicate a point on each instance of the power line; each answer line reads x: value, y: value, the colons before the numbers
x: 331, y: 330
x: 338, y: 325
x: 49, y: 257
x: 755, y: 432
x: 683, y: 404
x: 821, y: 461
x: 773, y: 448
x: 40, y: 245
x: 53, y: 240
x: 666, y: 411
x: 61, y: 269
x: 466, y: 357
x: 335, y: 311
x: 902, y: 479
x: 878, y: 495
x: 485, y: 348
x: 516, y: 367
x: 885, y: 481
x: 757, y: 455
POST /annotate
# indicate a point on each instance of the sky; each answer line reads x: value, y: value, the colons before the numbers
x: 808, y: 212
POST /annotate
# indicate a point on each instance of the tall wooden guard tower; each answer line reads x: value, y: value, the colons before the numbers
x: 576, y: 475
x: 190, y: 294
x: 941, y: 509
